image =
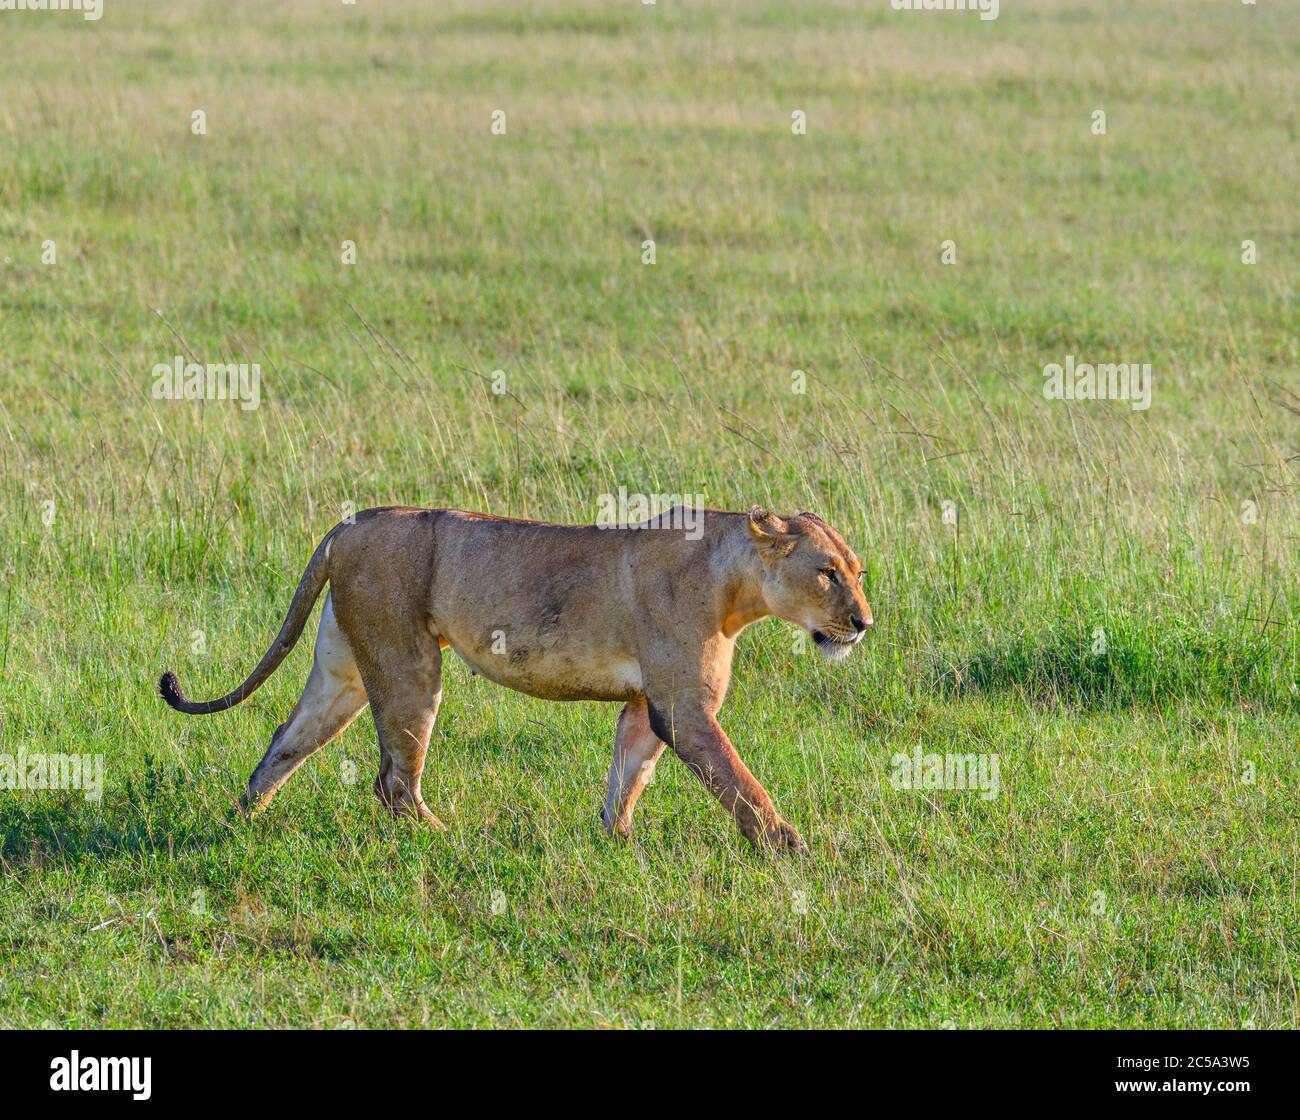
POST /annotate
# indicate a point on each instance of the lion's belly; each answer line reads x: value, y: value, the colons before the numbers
x: 554, y: 624
x: 554, y: 673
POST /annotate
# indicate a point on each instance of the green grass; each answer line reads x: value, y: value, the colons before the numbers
x: 1138, y: 867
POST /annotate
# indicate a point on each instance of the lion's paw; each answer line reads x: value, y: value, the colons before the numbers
x: 785, y: 838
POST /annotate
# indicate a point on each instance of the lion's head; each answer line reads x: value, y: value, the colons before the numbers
x: 811, y: 578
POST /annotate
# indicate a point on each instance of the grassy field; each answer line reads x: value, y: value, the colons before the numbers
x: 1110, y: 605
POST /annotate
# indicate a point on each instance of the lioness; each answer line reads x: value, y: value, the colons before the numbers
x: 647, y: 615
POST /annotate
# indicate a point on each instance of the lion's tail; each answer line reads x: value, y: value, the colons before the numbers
x: 313, y: 581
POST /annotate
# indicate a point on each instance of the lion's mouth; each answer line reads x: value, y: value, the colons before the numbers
x: 833, y: 648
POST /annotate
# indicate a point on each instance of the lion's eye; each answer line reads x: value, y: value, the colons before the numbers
x: 831, y: 574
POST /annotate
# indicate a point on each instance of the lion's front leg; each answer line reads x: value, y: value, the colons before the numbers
x: 636, y: 750
x: 696, y: 737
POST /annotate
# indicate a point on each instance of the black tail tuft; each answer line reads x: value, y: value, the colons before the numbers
x: 170, y: 688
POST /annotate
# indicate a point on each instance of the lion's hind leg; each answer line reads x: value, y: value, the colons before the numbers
x: 405, y: 701
x: 332, y: 699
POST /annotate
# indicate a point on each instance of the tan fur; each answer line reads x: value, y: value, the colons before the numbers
x: 642, y: 615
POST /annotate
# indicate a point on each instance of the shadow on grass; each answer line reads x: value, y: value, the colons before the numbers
x: 38, y: 834
x: 156, y: 813
x: 1125, y: 664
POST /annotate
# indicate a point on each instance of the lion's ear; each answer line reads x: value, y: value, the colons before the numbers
x: 770, y: 533
x: 763, y: 525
